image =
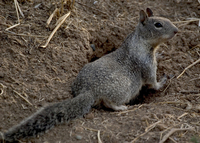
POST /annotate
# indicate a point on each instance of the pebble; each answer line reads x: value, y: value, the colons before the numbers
x: 79, y: 137
x: 92, y: 46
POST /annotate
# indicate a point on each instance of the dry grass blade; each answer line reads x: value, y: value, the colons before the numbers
x: 152, y: 126
x: 2, y: 90
x: 12, y: 26
x: 51, y: 16
x: 25, y: 35
x: 192, y: 20
x: 98, y: 135
x: 146, y: 131
x: 54, y: 31
x: 184, y: 114
x: 173, y: 130
x: 90, y: 129
x: 60, y: 19
x: 23, y: 97
x: 188, y: 67
x: 168, y: 84
x: 18, y: 7
x: 17, y: 11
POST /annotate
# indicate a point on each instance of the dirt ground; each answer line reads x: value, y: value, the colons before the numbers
x: 32, y: 77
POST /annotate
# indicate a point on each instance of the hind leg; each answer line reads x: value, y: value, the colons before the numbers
x: 115, y: 107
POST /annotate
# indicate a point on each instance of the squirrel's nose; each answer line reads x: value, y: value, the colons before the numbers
x: 176, y: 31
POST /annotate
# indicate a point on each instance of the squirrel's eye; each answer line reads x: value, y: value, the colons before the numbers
x: 158, y: 25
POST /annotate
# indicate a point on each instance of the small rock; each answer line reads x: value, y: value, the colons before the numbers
x: 79, y: 137
x: 92, y: 46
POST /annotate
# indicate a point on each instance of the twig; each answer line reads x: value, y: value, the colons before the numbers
x: 146, y: 131
x: 26, y: 35
x: 130, y: 110
x: 184, y: 114
x: 17, y: 10
x: 152, y: 126
x: 98, y: 136
x: 3, y: 86
x: 186, y: 21
x: 90, y: 129
x: 22, y: 97
x: 54, y: 31
x: 12, y: 26
x: 172, y: 140
x: 18, y: 7
x: 51, y: 16
x: 188, y: 67
x: 173, y: 130
x: 169, y: 83
x: 123, y: 112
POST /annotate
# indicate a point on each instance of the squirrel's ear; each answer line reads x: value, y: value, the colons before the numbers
x: 149, y: 12
x: 143, y: 17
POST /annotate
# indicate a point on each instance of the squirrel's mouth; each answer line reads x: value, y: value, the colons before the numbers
x: 167, y: 37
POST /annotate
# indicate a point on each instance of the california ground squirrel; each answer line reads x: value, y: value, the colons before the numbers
x: 113, y: 80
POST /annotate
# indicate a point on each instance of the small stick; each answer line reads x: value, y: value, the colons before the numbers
x: 22, y: 97
x: 51, y: 16
x: 182, y: 116
x: 169, y: 83
x: 20, y: 11
x: 130, y: 110
x: 54, y: 31
x: 123, y: 112
x: 172, y: 140
x: 17, y: 9
x: 12, y: 26
x: 60, y: 19
x: 98, y: 136
x: 152, y: 125
x: 90, y: 129
x: 173, y: 130
x: 186, y: 21
x: 3, y: 86
x: 188, y: 67
x: 26, y: 35
x: 146, y: 131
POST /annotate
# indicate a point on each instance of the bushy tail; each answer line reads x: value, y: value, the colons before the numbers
x: 50, y: 116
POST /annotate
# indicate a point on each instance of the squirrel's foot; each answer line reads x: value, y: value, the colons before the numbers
x: 119, y: 108
x: 115, y: 107
x: 160, y: 84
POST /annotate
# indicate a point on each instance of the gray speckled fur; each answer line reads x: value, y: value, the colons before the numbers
x: 114, y: 79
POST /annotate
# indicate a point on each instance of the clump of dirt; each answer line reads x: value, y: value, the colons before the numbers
x: 31, y: 77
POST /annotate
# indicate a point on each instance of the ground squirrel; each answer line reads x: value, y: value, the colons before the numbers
x: 113, y: 80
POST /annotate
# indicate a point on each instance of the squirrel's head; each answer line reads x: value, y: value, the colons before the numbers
x: 155, y: 30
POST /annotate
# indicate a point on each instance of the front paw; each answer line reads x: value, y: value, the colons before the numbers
x: 160, y: 84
